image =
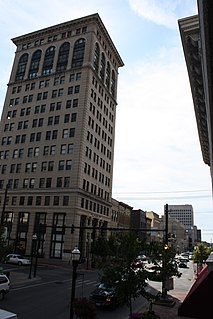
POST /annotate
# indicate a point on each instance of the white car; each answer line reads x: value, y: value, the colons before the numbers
x: 4, y: 286
x: 17, y: 259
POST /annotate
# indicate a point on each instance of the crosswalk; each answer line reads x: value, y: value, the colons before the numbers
x: 80, y: 283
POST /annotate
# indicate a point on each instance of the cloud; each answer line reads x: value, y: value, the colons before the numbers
x: 162, y: 12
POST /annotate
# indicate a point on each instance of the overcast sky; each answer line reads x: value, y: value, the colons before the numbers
x: 158, y: 158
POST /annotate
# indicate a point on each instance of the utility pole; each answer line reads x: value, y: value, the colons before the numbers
x: 166, y: 225
x: 4, y: 204
x: 165, y: 247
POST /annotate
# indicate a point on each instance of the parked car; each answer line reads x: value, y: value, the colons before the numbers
x: 183, y: 263
x: 4, y: 286
x: 17, y: 259
x: 104, y: 296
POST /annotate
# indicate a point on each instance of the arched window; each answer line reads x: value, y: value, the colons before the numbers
x: 113, y: 83
x: 96, y: 57
x: 63, y: 57
x: 21, y: 67
x: 102, y: 68
x: 108, y: 71
x: 48, y: 60
x: 78, y: 53
x: 34, y: 66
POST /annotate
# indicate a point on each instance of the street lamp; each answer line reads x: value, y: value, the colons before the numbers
x: 34, y: 239
x: 75, y: 260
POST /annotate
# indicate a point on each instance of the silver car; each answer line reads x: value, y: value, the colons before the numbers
x: 17, y: 259
x: 4, y: 286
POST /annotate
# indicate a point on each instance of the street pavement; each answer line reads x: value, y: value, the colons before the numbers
x: 19, y: 279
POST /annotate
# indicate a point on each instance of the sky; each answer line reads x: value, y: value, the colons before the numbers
x: 157, y: 158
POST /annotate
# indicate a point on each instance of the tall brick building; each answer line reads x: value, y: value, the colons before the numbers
x: 57, y: 137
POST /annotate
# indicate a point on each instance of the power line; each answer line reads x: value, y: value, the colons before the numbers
x: 166, y: 192
x: 165, y: 198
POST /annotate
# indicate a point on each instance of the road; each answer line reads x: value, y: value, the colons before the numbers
x: 50, y: 296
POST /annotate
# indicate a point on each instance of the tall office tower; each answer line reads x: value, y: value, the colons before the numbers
x: 57, y: 137
x: 184, y: 213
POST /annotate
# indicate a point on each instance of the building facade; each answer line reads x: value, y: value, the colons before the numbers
x: 57, y: 137
x: 196, y: 36
x: 185, y: 215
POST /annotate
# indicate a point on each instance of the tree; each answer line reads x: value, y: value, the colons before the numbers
x: 3, y: 247
x: 165, y: 265
x: 200, y: 254
x: 115, y: 258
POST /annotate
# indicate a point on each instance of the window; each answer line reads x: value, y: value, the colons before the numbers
x: 48, y: 60
x: 78, y: 53
x: 77, y: 89
x: 34, y: 66
x: 102, y: 66
x: 58, y: 106
x: 43, y: 166
x: 65, y: 200
x: 41, y: 182
x: 108, y: 71
x: 16, y: 183
x: 72, y: 132
x: 68, y: 165
x: 46, y: 150
x: 70, y: 148
x: 36, y: 151
x: 113, y: 83
x: 75, y: 103
x: 59, y: 182
x: 52, y: 149
x: 63, y: 57
x: 56, y: 200
x: 48, y: 135
x: 65, y: 133
x: 73, y: 117
x: 21, y: 67
x: 47, y: 200
x: 78, y: 76
x: 32, y: 182
x: 63, y: 149
x: 38, y: 200
x: 67, y: 182
x: 66, y: 118
x: 96, y: 57
x: 28, y: 167
x: 30, y: 200
x: 48, y: 182
x: 70, y: 90
x: 60, y: 92
x: 50, y: 120
x: 68, y: 104
x: 61, y: 165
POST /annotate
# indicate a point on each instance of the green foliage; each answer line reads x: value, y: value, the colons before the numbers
x: 115, y: 259
x: 3, y: 247
x: 201, y: 253
x: 163, y: 257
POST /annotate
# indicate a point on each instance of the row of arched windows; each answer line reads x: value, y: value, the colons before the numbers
x: 102, y: 68
x: 77, y: 60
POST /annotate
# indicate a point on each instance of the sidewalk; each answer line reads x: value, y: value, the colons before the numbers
x: 167, y: 312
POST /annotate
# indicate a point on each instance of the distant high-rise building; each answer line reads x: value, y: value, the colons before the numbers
x: 183, y: 213
x: 57, y: 137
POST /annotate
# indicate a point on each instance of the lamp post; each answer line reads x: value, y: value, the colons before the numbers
x: 32, y: 252
x: 75, y: 260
